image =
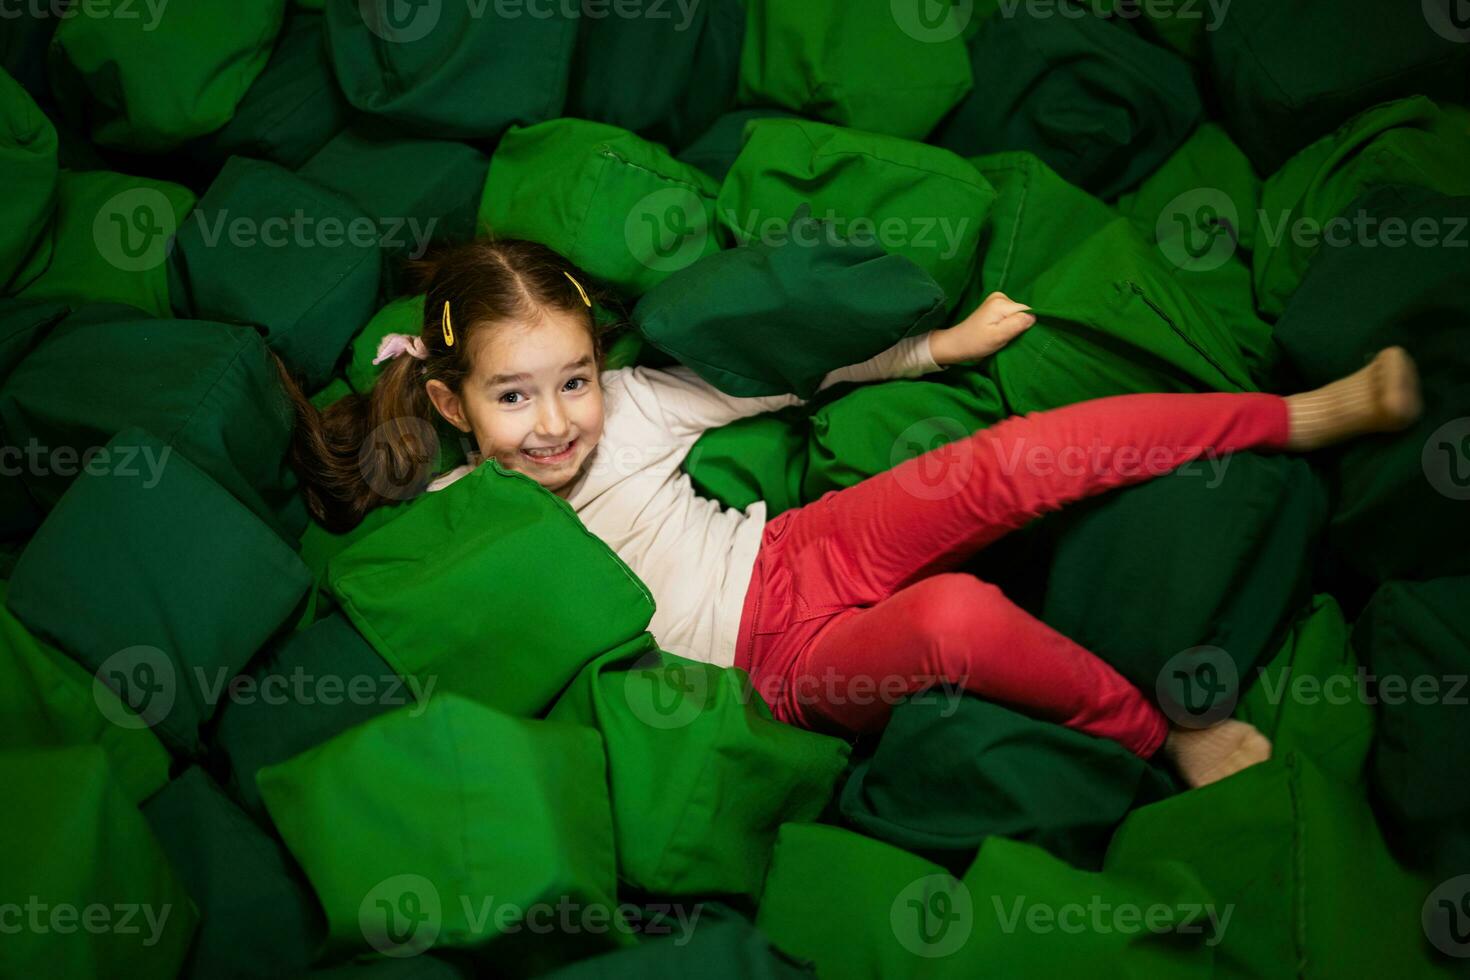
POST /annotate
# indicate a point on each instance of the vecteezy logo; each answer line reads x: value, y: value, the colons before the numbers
x: 1450, y: 19
x: 1446, y: 459
x: 401, y: 916
x: 400, y: 21
x: 932, y: 21
x: 1446, y: 916
x: 142, y: 678
x: 1197, y: 230
x: 1198, y: 687
x: 665, y: 694
x: 134, y: 229
x: 389, y: 472
x: 932, y: 459
x: 933, y: 916
x: 667, y: 230
x: 135, y: 686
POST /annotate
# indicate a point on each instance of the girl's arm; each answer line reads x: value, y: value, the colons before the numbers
x: 691, y: 404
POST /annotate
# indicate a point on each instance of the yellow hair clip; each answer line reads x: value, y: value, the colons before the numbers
x: 579, y: 287
x: 448, y: 326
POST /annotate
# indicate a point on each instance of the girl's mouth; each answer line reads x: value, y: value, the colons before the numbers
x: 560, y: 457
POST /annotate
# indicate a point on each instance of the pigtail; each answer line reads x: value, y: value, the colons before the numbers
x: 363, y: 451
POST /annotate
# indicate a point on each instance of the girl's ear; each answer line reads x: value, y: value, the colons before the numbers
x: 448, y: 404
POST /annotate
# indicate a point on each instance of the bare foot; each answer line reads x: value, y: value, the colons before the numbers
x: 1206, y: 755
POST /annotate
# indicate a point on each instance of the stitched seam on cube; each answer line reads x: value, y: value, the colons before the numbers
x: 1005, y: 269
x: 608, y: 151
x: 1138, y: 291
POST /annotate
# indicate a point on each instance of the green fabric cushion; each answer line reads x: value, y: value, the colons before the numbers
x: 888, y: 913
x: 1179, y: 26
x: 443, y: 591
x: 258, y: 917
x: 854, y: 880
x: 137, y: 572
x: 109, y: 241
x: 451, y: 70
x: 1399, y: 498
x: 49, y: 701
x: 951, y: 770
x: 319, y: 546
x: 915, y: 200
x: 457, y: 822
x: 1037, y: 219
x: 1288, y: 71
x: 1112, y: 320
x: 874, y: 427
x: 1306, y: 698
x: 291, y: 109
x: 103, y: 900
x: 722, y: 945
x: 1207, y: 172
x: 22, y: 325
x: 1201, y: 209
x: 28, y: 165
x: 417, y: 190
x: 700, y: 773
x: 1410, y: 142
x: 717, y: 147
x: 1294, y: 855
x: 759, y: 458
x: 206, y: 389
x: 1224, y: 545
x: 869, y: 65
x: 1414, y: 638
x: 145, y: 81
x: 613, y: 203
x: 666, y: 74
x: 774, y: 318
x: 259, y: 223
x: 421, y: 967
x: 849, y: 433
x: 23, y: 46
x: 1099, y: 104
x: 315, y: 683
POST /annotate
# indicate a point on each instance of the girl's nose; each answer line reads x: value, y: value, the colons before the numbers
x: 551, y: 421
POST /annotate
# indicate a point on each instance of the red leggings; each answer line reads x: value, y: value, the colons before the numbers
x: 853, y: 603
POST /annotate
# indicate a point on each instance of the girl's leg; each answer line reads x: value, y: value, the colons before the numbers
x: 858, y: 545
x: 929, y: 513
x: 958, y: 632
x: 961, y: 632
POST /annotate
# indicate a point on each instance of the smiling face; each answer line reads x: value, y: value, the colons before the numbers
x: 534, y: 387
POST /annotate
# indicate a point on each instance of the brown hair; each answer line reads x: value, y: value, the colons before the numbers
x: 364, y: 451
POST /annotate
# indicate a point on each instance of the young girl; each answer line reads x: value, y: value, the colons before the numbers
x: 840, y: 608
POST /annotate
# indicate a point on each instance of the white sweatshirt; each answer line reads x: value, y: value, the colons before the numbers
x: 695, y: 555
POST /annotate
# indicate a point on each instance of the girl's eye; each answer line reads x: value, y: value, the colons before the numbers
x: 502, y: 398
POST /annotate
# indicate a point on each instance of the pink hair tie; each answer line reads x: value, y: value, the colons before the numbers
x: 394, y: 344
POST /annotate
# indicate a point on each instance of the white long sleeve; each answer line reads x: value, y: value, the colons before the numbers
x: 692, y: 404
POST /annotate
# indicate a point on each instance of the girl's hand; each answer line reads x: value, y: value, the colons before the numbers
x: 995, y: 323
